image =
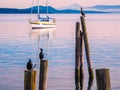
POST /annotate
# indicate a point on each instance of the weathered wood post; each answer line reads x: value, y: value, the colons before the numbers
x: 90, y: 83
x: 81, y: 62
x: 89, y: 63
x: 43, y: 75
x: 103, y: 79
x: 30, y: 80
x: 79, y: 72
x: 77, y: 56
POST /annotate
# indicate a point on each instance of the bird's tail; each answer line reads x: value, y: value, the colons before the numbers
x: 34, y: 66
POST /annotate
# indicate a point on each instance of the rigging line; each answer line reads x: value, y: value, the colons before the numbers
x: 32, y: 6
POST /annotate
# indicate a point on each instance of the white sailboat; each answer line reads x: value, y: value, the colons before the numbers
x: 42, y: 23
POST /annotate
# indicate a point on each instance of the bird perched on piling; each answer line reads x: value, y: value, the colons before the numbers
x: 41, y: 55
x: 29, y: 64
x: 82, y: 13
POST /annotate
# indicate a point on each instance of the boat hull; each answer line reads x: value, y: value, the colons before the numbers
x: 40, y: 25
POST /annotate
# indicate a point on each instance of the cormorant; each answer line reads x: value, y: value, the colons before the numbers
x: 29, y: 65
x: 41, y: 55
x: 82, y: 13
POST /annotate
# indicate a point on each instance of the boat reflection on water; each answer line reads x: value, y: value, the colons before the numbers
x: 43, y: 38
x: 41, y: 32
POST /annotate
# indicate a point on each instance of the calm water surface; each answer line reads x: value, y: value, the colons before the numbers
x: 18, y: 43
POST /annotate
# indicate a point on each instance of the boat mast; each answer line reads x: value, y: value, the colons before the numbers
x: 38, y: 12
x: 47, y: 7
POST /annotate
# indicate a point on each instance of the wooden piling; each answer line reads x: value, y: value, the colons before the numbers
x: 90, y: 83
x: 79, y: 72
x: 43, y: 75
x: 77, y: 56
x: 103, y: 79
x: 81, y: 62
x: 89, y: 62
x: 30, y: 80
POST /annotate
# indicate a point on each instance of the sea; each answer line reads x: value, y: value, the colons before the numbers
x: 18, y: 43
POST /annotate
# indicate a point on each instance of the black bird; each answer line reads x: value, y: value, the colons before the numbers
x: 41, y: 55
x: 29, y: 64
x: 82, y: 13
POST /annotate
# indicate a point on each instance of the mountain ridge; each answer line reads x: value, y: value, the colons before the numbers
x: 74, y: 8
x: 106, y: 6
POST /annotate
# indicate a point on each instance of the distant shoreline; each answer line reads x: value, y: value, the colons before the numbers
x: 103, y: 9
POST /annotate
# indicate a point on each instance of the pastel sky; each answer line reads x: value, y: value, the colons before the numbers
x: 56, y: 3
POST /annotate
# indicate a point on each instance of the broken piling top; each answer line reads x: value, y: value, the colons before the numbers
x: 103, y: 79
x: 29, y: 80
